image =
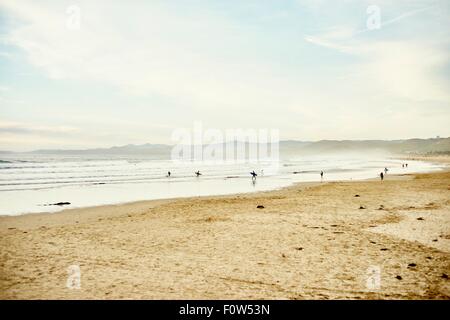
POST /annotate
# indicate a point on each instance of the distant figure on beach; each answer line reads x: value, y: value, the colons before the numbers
x: 386, y: 170
x: 381, y: 176
x: 168, y: 174
x: 321, y: 175
x: 254, y: 175
x: 406, y: 165
x: 198, y: 173
x: 262, y: 172
x: 403, y: 165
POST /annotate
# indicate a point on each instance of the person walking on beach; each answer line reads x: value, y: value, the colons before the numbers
x: 198, y: 173
x: 385, y: 170
x: 168, y: 174
x: 321, y: 175
x: 381, y: 176
x: 254, y: 175
x: 406, y: 165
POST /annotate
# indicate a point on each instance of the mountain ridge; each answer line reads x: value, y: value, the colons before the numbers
x: 403, y: 146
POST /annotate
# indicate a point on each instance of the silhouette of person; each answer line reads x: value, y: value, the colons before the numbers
x: 385, y: 170
x: 254, y: 175
x: 198, y: 173
x: 321, y: 175
x: 168, y: 174
x: 381, y: 176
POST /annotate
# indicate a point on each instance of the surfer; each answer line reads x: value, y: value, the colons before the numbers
x: 198, y: 174
x: 254, y: 175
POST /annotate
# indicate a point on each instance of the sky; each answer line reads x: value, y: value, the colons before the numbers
x: 83, y: 74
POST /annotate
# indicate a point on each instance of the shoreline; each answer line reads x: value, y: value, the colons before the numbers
x: 395, y: 177
x: 35, y: 203
x: 111, y: 210
x: 442, y: 160
x: 168, y: 200
x: 119, y: 208
x: 313, y: 241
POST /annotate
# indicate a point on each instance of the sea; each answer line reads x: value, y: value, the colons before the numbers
x: 33, y: 183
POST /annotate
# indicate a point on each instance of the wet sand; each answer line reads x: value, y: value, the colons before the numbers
x: 310, y: 241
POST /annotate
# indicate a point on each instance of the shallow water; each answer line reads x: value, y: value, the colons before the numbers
x: 29, y: 182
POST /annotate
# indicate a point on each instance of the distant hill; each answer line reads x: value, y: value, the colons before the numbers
x: 410, y: 146
x: 288, y: 147
x: 156, y: 150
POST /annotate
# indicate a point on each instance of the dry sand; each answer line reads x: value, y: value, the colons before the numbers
x: 310, y: 241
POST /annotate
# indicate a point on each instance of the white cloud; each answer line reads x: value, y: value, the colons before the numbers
x: 324, y: 42
x: 409, y: 69
x: 167, y: 53
x: 27, y: 128
x: 146, y: 50
x: 216, y: 68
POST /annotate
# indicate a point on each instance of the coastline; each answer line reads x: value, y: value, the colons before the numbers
x: 311, y: 240
x: 443, y: 160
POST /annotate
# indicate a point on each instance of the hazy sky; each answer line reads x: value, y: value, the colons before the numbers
x: 135, y: 70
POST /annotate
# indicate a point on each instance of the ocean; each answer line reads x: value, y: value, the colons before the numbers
x: 31, y: 183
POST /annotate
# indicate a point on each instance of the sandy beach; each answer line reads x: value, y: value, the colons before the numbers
x: 310, y: 241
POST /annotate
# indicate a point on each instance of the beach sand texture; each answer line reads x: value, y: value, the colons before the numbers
x: 310, y: 241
